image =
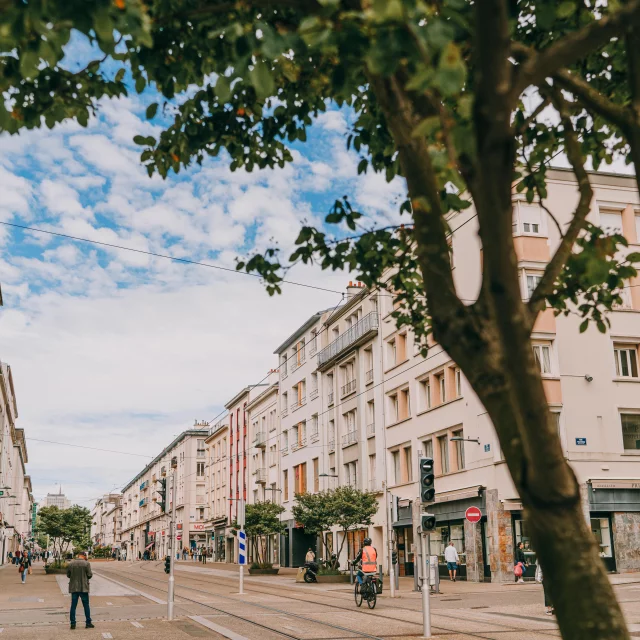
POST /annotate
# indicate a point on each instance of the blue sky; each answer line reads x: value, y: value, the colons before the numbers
x: 122, y: 351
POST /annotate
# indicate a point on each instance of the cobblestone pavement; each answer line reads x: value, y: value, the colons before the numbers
x: 129, y: 601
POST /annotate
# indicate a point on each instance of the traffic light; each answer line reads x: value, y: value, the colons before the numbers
x: 427, y: 522
x: 427, y: 480
x: 131, y: 537
x: 394, y: 557
x: 167, y: 564
x: 163, y: 494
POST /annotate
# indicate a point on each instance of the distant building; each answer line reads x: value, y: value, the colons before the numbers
x: 56, y: 500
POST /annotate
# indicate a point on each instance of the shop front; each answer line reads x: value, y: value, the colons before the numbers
x: 197, y: 535
x: 403, y: 533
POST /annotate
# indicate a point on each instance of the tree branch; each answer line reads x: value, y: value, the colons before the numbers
x: 575, y: 46
x: 559, y: 259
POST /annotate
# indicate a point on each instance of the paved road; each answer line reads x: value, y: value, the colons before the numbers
x: 129, y: 601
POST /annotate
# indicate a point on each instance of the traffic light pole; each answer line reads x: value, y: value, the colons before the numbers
x: 426, y: 587
x: 172, y: 545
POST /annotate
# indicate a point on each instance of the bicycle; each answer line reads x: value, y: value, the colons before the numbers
x: 366, y: 591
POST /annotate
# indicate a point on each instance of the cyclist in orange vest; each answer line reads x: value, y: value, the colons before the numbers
x: 368, y: 556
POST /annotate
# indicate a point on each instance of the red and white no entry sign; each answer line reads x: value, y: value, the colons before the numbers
x: 473, y: 514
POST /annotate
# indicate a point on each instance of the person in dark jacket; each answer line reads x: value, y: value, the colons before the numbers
x: 79, y: 574
x: 521, y: 559
x: 23, y: 566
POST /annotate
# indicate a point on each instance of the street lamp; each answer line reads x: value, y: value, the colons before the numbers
x: 460, y: 439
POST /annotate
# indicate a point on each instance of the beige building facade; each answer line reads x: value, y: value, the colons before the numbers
x: 217, y: 523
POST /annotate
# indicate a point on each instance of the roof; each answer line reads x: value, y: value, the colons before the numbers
x: 300, y: 330
x: 270, y: 389
x: 182, y: 436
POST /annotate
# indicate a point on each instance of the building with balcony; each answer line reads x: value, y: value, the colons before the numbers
x: 591, y: 381
x: 217, y: 520
x: 16, y: 498
x: 144, y: 526
x: 106, y: 522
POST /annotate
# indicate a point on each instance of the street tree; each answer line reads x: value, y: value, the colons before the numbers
x: 436, y: 92
x: 345, y: 507
x: 262, y: 519
x: 66, y: 528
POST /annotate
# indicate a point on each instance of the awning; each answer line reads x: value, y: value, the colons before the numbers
x: 458, y: 494
x: 149, y: 546
x: 405, y: 522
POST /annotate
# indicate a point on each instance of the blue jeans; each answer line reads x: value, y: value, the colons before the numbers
x: 24, y: 574
x: 84, y: 596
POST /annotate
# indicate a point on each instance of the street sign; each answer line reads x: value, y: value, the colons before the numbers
x: 473, y: 514
x: 242, y: 547
x: 1, y: 494
x: 581, y: 441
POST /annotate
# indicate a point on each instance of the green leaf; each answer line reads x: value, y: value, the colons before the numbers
x: 120, y: 75
x: 141, y: 83
x: 583, y: 325
x: 223, y: 88
x: 261, y: 79
x: 566, y: 9
x: 152, y: 110
x: 29, y: 61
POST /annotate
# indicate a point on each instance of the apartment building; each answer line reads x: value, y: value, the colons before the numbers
x: 238, y: 457
x: 349, y: 363
x: 591, y: 381
x: 16, y: 501
x: 217, y: 522
x: 144, y: 526
x: 106, y: 522
x: 264, y: 435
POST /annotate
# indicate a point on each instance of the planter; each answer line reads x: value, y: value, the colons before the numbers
x: 51, y: 570
x: 333, y: 579
x: 263, y: 572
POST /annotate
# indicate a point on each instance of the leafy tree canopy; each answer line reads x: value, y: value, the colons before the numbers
x: 65, y: 527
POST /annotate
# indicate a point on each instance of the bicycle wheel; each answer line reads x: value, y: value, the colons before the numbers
x: 371, y: 600
x: 358, y: 595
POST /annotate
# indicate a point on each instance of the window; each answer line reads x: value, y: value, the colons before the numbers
x: 316, y: 475
x: 351, y: 474
x: 199, y: 468
x: 611, y: 221
x: 427, y: 448
x: 314, y: 382
x: 285, y: 440
x: 425, y: 394
x: 542, y: 352
x: 527, y: 218
x: 201, y: 449
x: 443, y: 450
x: 532, y: 280
x: 626, y: 357
x: 372, y: 473
x: 393, y: 408
x: 395, y: 457
x: 392, y: 353
x: 404, y: 404
x: 442, y: 388
x: 458, y: 381
x: 300, y: 474
x: 408, y: 464
x: 637, y: 216
x: 459, y: 449
x: 631, y: 431
x: 285, y: 484
x: 273, y: 456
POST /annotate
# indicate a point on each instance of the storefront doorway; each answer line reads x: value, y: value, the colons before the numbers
x: 444, y: 533
x: 406, y: 550
x: 602, y: 532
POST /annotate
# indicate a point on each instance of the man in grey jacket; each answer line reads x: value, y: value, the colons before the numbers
x: 79, y: 574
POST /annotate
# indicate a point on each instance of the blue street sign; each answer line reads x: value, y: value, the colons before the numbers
x: 487, y: 447
x: 581, y: 441
x: 242, y: 547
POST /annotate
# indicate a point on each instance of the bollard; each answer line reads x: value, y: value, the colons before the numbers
x: 397, y: 576
x: 350, y: 573
x: 380, y: 580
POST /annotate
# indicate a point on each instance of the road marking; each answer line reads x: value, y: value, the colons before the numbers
x: 217, y: 628
x: 140, y: 593
x: 137, y: 624
x: 110, y: 604
x: 40, y: 599
x: 106, y: 636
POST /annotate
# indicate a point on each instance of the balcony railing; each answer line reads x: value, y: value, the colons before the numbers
x: 284, y: 451
x: 261, y: 476
x: 313, y: 346
x: 371, y: 430
x: 349, y: 438
x: 298, y: 403
x: 348, y: 388
x: 313, y: 394
x: 144, y: 485
x: 330, y: 398
x: 143, y: 502
x: 260, y: 439
x: 374, y: 486
x: 299, y: 444
x: 369, y: 376
x: 347, y: 339
x: 314, y: 435
x: 284, y: 412
x: 332, y: 446
x: 283, y: 369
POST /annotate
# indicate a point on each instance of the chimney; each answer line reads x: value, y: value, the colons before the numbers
x: 353, y: 289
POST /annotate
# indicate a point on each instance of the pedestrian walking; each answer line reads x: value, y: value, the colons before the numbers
x: 547, y: 598
x: 311, y: 555
x: 10, y: 557
x: 451, y: 558
x: 24, y: 567
x: 191, y: 553
x: 79, y: 574
x: 521, y: 563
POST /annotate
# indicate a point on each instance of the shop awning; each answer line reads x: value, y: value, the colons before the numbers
x: 458, y: 494
x: 149, y: 546
x: 404, y: 522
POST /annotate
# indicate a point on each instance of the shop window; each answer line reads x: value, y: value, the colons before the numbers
x: 626, y: 358
x: 630, y: 431
x: 521, y: 529
x: 602, y: 533
x: 443, y: 534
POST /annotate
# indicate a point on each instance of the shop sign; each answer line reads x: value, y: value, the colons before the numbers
x: 581, y: 442
x: 198, y: 526
x: 487, y: 448
x: 615, y: 484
